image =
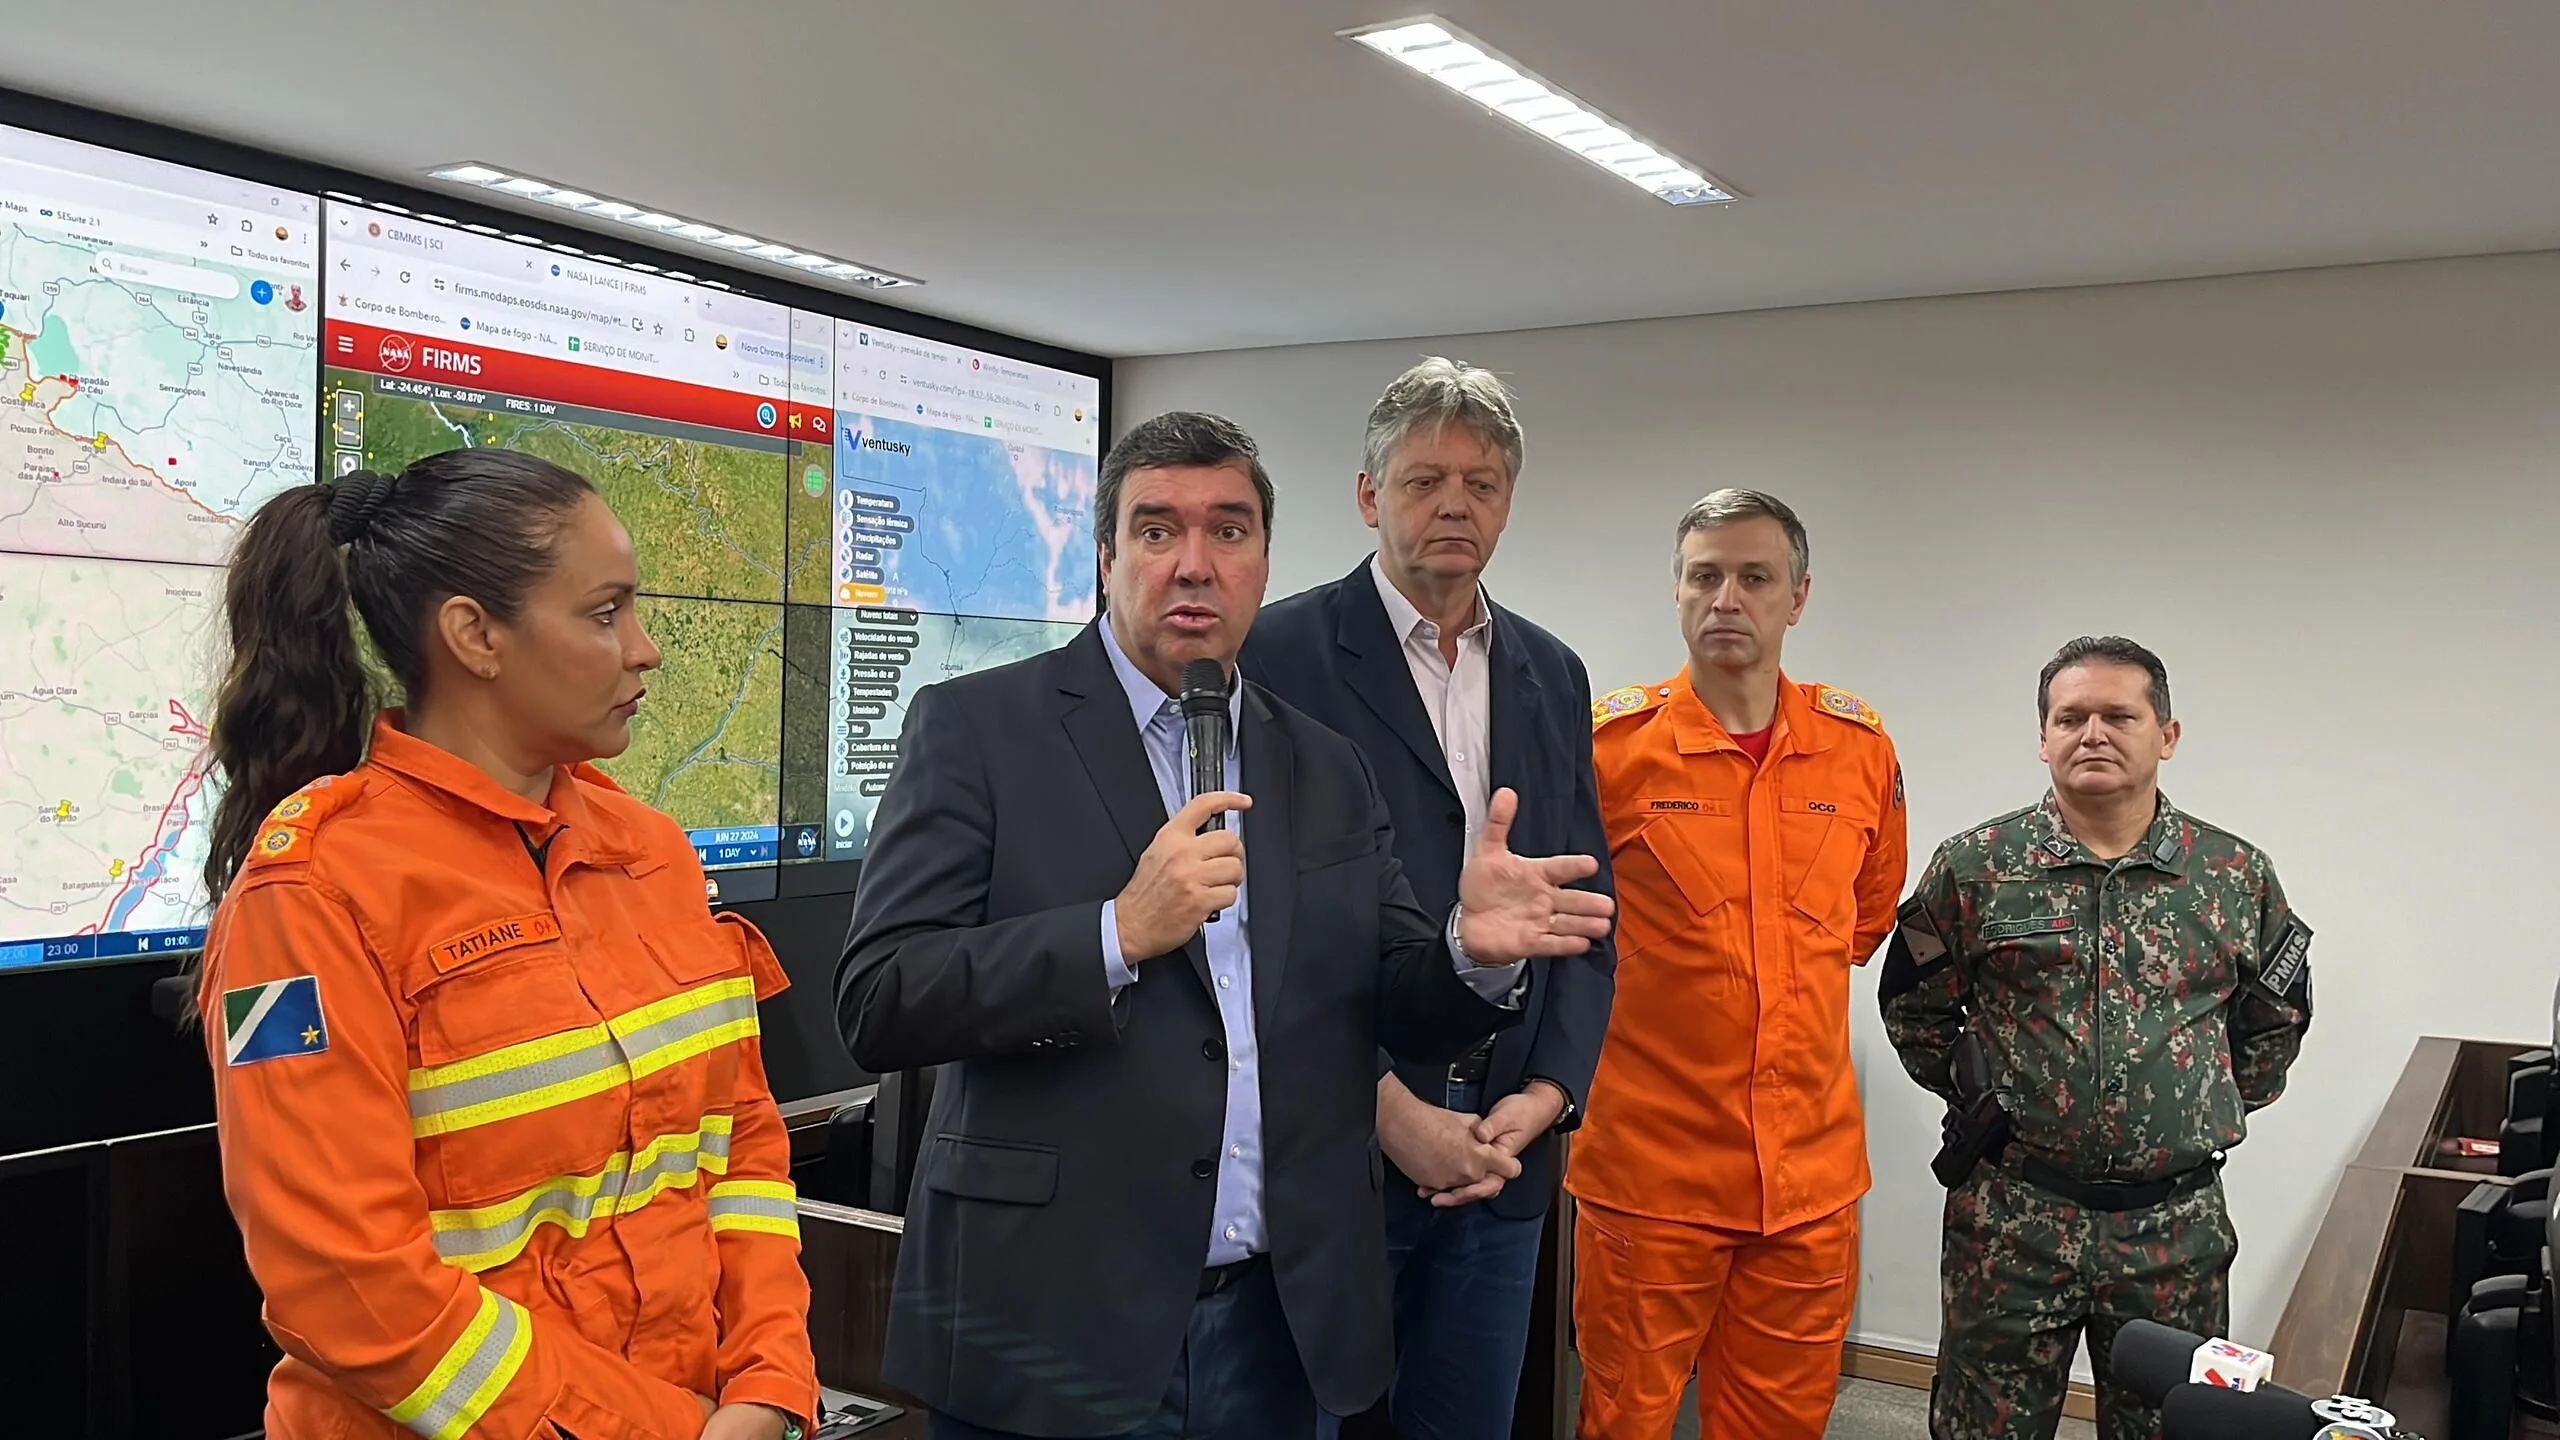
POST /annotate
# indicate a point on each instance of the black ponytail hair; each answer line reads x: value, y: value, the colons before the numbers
x: 296, y: 701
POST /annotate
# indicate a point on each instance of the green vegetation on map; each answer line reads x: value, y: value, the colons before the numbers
x: 706, y: 747
x: 705, y: 518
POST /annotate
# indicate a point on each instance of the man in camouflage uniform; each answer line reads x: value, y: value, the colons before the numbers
x: 2138, y: 984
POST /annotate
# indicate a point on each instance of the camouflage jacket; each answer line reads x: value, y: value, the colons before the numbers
x: 2133, y: 1010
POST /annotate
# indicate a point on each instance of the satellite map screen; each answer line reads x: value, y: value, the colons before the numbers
x: 159, y: 363
x: 963, y: 537
x: 828, y: 515
x: 675, y: 399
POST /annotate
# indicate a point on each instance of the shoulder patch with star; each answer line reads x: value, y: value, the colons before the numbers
x: 1626, y: 700
x: 1840, y: 703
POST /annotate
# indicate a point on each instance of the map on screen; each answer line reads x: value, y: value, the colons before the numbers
x: 159, y: 332
x: 827, y: 515
x: 159, y: 352
x: 674, y: 400
x: 962, y: 523
x: 964, y: 489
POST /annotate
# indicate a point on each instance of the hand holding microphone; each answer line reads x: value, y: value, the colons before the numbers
x: 1186, y: 877
x: 1192, y: 870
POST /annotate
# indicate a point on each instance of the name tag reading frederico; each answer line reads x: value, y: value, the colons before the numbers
x: 495, y: 937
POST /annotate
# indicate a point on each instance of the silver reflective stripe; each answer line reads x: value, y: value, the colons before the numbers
x: 456, y: 1401
x: 573, y: 1202
x: 522, y: 1080
x: 639, y: 1043
x: 520, y: 1089
x: 724, y: 1206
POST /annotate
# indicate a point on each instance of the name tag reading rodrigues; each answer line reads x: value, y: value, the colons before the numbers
x: 495, y: 937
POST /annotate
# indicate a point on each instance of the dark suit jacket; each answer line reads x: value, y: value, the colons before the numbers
x: 1333, y: 653
x: 1061, y: 1212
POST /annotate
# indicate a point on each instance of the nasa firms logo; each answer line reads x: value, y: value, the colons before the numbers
x: 394, y: 353
x: 452, y: 362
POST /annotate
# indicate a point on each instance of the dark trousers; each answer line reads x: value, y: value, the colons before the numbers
x: 1238, y: 1376
x: 1464, y: 1279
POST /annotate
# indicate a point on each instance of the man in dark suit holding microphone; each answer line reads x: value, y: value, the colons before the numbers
x: 1148, y: 1201
x: 1451, y: 697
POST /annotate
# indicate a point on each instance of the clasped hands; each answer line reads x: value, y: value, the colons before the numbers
x: 1454, y: 1158
x: 1511, y: 907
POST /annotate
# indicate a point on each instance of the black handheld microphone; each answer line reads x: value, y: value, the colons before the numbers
x: 2151, y: 1359
x: 1205, y: 730
x: 2271, y: 1412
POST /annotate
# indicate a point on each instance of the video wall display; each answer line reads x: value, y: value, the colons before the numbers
x: 827, y: 514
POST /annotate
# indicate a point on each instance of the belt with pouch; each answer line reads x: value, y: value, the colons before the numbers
x: 1472, y: 1067
x: 2117, y: 1196
x: 1215, y: 1278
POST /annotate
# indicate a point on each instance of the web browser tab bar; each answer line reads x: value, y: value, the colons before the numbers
x: 440, y: 282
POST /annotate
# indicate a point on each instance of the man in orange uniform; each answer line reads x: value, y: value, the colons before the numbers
x: 495, y: 1126
x: 1756, y: 829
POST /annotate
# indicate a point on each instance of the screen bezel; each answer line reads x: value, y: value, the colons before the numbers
x: 27, y: 110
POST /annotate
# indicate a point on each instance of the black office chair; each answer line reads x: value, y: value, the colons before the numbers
x: 843, y: 1175
x: 2502, y: 1350
x: 2525, y: 1136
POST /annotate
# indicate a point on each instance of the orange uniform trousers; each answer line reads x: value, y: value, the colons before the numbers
x: 1759, y: 1319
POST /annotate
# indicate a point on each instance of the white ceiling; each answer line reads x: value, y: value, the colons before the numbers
x: 1152, y: 176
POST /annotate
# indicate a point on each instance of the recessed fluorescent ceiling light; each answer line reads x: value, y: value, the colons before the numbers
x: 1440, y: 51
x: 665, y: 228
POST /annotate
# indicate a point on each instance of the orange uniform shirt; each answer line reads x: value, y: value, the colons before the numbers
x: 493, y: 1114
x: 1746, y: 892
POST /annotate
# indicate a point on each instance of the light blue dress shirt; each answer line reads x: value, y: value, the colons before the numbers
x: 1236, y: 1228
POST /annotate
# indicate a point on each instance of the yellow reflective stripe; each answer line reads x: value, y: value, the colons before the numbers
x: 771, y: 1207
x: 472, y: 1374
x: 511, y: 1057
x: 676, y: 1052
x: 683, y: 1003
x: 488, y: 1236
x: 556, y: 1069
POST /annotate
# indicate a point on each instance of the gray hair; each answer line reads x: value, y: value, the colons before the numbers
x: 2104, y: 650
x: 1437, y: 393
x: 1728, y: 506
x: 1175, y: 439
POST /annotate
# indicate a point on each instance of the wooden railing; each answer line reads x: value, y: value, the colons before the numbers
x: 2367, y: 1315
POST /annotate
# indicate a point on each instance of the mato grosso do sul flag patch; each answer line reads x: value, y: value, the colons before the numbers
x: 271, y: 1021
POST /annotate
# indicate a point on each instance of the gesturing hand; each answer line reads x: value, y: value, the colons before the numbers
x: 1514, y: 907
x: 1183, y: 879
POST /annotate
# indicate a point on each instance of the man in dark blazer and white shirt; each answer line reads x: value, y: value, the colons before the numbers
x: 1451, y: 698
x: 1148, y: 1198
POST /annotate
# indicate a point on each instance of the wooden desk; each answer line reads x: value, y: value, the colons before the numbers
x: 2375, y: 1282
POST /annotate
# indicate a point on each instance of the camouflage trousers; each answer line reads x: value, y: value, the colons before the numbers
x: 2023, y: 1272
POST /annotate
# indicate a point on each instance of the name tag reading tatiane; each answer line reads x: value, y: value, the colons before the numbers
x: 495, y: 937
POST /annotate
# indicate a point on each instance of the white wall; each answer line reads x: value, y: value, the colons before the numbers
x: 2330, y: 499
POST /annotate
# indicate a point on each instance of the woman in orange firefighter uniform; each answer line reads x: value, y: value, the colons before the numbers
x: 494, y: 1117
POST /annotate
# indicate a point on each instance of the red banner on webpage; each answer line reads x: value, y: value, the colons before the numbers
x: 538, y: 377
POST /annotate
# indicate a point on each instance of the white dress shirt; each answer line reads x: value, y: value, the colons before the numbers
x: 1458, y: 698
x: 1237, y: 1225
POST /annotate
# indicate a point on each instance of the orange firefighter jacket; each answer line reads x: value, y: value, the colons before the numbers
x: 493, y: 1114
x: 1725, y: 1095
